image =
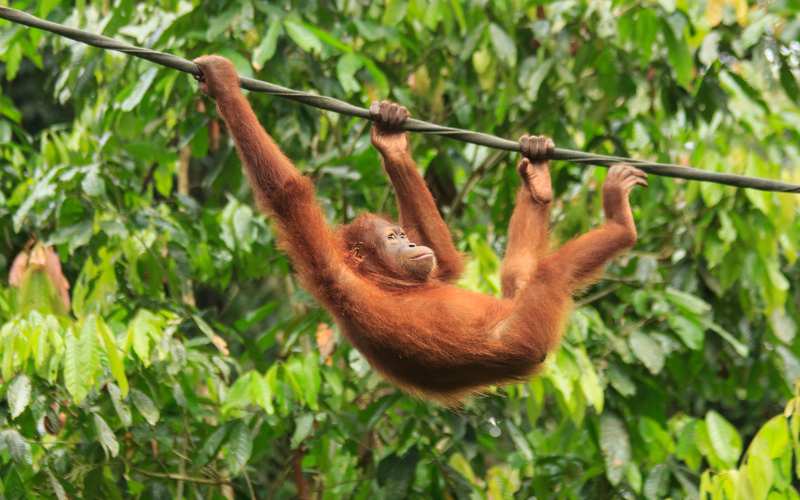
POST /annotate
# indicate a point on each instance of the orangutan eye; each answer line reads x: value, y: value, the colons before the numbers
x: 402, y: 235
x: 391, y: 236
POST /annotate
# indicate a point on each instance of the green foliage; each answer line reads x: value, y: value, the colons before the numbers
x: 186, y: 365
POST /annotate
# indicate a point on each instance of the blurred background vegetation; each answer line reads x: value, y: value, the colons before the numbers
x: 172, y: 354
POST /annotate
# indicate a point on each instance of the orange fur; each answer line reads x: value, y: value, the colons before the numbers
x: 430, y: 338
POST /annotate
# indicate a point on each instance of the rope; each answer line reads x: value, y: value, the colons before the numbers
x: 338, y: 106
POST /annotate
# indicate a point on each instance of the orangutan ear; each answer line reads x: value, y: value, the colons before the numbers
x: 355, y: 254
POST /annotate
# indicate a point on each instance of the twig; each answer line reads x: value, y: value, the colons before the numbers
x: 476, y: 174
x: 299, y: 479
x: 598, y: 295
x: 182, y: 477
x: 249, y: 486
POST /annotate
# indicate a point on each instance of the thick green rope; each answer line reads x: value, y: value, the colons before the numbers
x: 338, y: 106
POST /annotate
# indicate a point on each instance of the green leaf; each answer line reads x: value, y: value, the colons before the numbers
x: 709, y: 49
x: 271, y: 381
x: 687, y: 447
x: 532, y: 74
x: 48, y: 344
x: 239, y: 448
x: 621, y: 381
x: 772, y: 440
x: 687, y: 302
x: 724, y: 439
x: 112, y: 351
x: 72, y: 377
x: 396, y: 473
x: 163, y: 176
x: 658, y: 440
x: 7, y: 370
x: 204, y: 327
x: 145, y: 406
x: 212, y: 444
x: 648, y: 351
x: 303, y: 37
x: 589, y: 382
x: 89, y: 348
x: 45, y: 7
x: 562, y: 371
x: 328, y: 39
x: 633, y: 476
x: 656, y: 486
x: 8, y: 109
x: 460, y: 464
x: 43, y: 189
x: 345, y: 71
x: 240, y: 394
x: 394, y: 12
x: 782, y: 326
x: 93, y: 184
x: 97, y: 285
x: 81, y: 360
x: 142, y: 86
x: 58, y: 489
x: 690, y: 331
x: 615, y: 445
x: 520, y: 441
x: 504, y: 45
x: 18, y: 395
x: 311, y: 380
x: 76, y: 235
x: 378, y: 77
x: 739, y: 347
x: 221, y: 22
x: 292, y: 371
x: 145, y: 329
x: 646, y: 32
x: 789, y: 81
x: 303, y: 426
x: 261, y: 393
x: 502, y: 481
x: 123, y: 411
x: 747, y: 90
x: 17, y: 446
x: 679, y: 55
x: 266, y: 49
x: 13, y: 57
x: 106, y: 436
x: 458, y: 12
x: 481, y: 61
x: 760, y: 473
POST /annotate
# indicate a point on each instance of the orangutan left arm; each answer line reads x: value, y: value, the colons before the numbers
x: 419, y: 215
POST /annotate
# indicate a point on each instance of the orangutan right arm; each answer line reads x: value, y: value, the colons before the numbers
x: 279, y: 188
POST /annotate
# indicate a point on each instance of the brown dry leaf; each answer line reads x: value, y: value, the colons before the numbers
x: 213, y: 135
x: 53, y: 266
x: 220, y: 344
x: 326, y: 342
x: 44, y: 258
x: 715, y: 10
x: 18, y: 268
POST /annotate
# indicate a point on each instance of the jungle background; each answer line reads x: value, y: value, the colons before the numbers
x: 172, y: 354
